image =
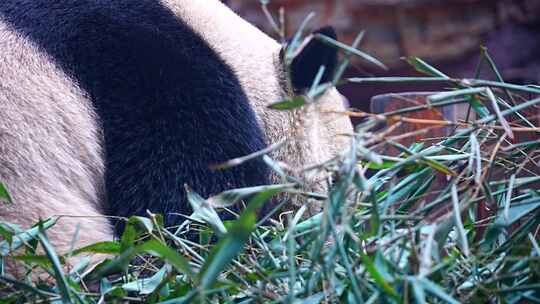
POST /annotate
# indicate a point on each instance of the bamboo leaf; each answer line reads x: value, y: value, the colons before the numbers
x: 4, y: 195
x: 288, y: 104
x: 458, y: 223
x: 516, y: 212
x: 424, y: 68
x: 100, y: 247
x: 379, y: 279
x: 351, y: 50
x: 497, y: 110
x: 437, y: 291
x: 456, y: 93
x: 61, y: 280
x: 147, y: 286
x: 25, y: 237
x: 203, y: 211
x: 233, y: 242
x: 506, y: 210
x: 231, y: 197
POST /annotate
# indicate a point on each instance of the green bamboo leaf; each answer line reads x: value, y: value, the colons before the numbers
x: 20, y: 285
x: 379, y: 279
x: 152, y: 247
x: 439, y: 167
x: 275, y: 166
x: 475, y: 159
x: 143, y: 222
x: 8, y: 231
x: 105, y: 286
x: 319, y: 90
x: 231, y: 197
x: 78, y: 269
x: 506, y: 209
x: 204, y: 211
x: 424, y: 68
x: 61, y: 280
x: 449, y: 158
x: 536, y: 247
x: 516, y: 212
x: 422, y: 159
x: 351, y: 50
x: 436, y: 290
x: 502, y: 120
x: 370, y: 80
x: 347, y: 59
x: 418, y: 292
x: 310, y: 223
x: 109, y: 267
x: 369, y: 155
x: 25, y: 237
x: 423, y: 186
x: 455, y: 93
x: 149, y: 285
x: 390, y: 161
x: 511, y: 110
x: 171, y: 256
x: 233, y: 242
x: 288, y: 104
x: 485, y: 55
x: 478, y: 106
x: 4, y: 194
x: 443, y: 229
x: 129, y: 235
x: 386, y: 164
x: 100, y: 247
x: 41, y: 260
x: 375, y: 218
x: 457, y: 221
x: 316, y: 81
x: 404, y: 188
x: 240, y: 160
x: 502, y: 85
x: 314, y: 299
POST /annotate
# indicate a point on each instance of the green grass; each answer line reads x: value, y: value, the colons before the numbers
x: 375, y: 240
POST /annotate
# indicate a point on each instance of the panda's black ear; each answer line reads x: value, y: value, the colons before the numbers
x: 314, y: 54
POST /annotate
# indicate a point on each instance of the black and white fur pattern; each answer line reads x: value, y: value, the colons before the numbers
x: 111, y: 106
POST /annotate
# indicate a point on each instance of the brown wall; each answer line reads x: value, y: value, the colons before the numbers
x: 448, y: 34
x: 434, y: 30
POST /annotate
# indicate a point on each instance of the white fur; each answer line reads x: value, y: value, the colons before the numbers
x: 51, y: 158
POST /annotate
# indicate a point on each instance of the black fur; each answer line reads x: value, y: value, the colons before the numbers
x: 305, y: 66
x: 168, y: 105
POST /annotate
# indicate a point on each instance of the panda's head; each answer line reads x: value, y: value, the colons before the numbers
x: 316, y: 132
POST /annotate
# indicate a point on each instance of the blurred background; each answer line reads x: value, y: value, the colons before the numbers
x: 446, y: 33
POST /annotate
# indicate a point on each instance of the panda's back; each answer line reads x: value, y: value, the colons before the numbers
x: 120, y: 93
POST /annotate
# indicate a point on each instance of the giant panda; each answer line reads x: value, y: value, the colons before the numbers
x: 108, y: 107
